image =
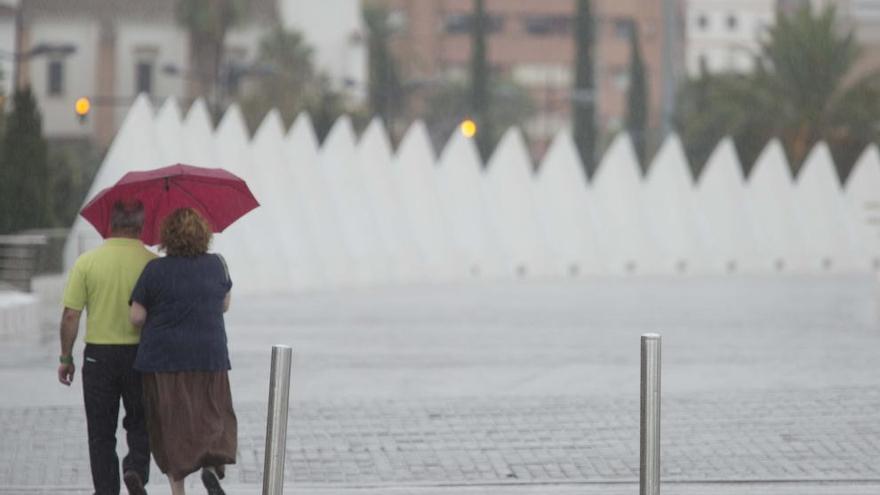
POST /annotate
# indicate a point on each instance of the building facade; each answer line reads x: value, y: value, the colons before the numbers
x: 121, y: 48
x: 725, y: 35
x: 532, y: 43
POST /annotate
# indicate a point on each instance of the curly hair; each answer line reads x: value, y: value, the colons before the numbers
x: 185, y: 233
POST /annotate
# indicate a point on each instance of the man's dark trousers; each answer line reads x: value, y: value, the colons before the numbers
x: 108, y: 376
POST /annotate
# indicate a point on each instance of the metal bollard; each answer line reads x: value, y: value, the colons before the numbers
x: 649, y: 451
x: 276, y: 422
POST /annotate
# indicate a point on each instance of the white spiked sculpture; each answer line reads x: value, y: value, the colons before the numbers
x: 461, y: 185
x: 237, y: 243
x: 355, y: 212
x: 724, y: 226
x: 863, y: 199
x: 134, y: 148
x: 823, y: 215
x: 511, y: 205
x: 352, y: 214
x: 290, y: 247
x: 169, y: 134
x: 566, y: 212
x: 392, y: 230
x: 670, y: 209
x: 198, y: 137
x: 771, y: 207
x: 617, y: 187
x: 322, y: 218
x: 416, y: 181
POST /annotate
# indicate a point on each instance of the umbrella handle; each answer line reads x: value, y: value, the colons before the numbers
x: 166, y: 184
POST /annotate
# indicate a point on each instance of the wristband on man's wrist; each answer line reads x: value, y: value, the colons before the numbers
x: 65, y: 359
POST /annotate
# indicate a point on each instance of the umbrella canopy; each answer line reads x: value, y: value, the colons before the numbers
x: 219, y: 196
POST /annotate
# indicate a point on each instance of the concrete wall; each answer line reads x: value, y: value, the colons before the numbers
x: 353, y: 213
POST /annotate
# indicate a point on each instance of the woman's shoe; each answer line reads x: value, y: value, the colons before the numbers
x: 212, y: 484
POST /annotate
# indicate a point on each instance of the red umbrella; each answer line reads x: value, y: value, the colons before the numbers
x: 216, y: 194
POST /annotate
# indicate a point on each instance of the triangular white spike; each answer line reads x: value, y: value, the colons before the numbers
x: 374, y: 164
x: 356, y: 217
x: 236, y: 242
x: 724, y: 226
x: 460, y: 184
x: 771, y: 207
x: 198, y: 136
x: 293, y: 264
x: 133, y: 148
x: 415, y: 174
x: 566, y: 210
x: 169, y: 133
x: 822, y: 213
x: 510, y: 187
x: 863, y: 198
x: 301, y: 155
x: 670, y: 209
x: 617, y: 187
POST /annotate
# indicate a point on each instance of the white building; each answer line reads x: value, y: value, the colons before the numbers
x: 725, y: 35
x: 335, y: 29
x: 7, y: 43
x: 125, y: 47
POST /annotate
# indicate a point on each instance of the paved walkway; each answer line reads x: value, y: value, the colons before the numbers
x: 831, y: 435
x: 770, y: 386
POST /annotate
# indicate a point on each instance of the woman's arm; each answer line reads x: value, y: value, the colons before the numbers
x: 137, y: 315
x: 226, y: 301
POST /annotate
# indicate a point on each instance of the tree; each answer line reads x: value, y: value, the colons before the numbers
x: 287, y: 80
x: 802, y: 90
x: 208, y: 22
x: 480, y: 98
x: 510, y: 104
x: 583, y: 101
x: 637, y: 96
x: 24, y: 169
x: 386, y: 96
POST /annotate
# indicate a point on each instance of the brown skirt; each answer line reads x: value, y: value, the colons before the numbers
x: 190, y: 421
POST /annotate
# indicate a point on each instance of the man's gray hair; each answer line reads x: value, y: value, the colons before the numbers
x: 127, y: 217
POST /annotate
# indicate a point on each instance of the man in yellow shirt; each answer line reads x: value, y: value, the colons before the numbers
x: 101, y: 282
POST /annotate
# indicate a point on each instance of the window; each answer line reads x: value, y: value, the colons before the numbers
x: 547, y: 25
x: 703, y: 22
x: 143, y: 78
x: 464, y: 23
x: 56, y: 78
x: 623, y: 28
x: 732, y: 22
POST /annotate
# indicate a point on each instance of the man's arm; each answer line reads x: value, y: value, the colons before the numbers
x: 69, y: 330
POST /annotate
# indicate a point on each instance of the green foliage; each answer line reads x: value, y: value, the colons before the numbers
x: 290, y: 84
x: 208, y: 22
x: 24, y: 171
x: 72, y: 168
x: 637, y: 97
x: 583, y: 104
x: 802, y: 91
x: 480, y: 97
x: 386, y: 95
x: 510, y: 104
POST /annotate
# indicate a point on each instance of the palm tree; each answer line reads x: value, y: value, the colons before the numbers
x: 803, y: 90
x: 208, y: 22
x: 288, y: 78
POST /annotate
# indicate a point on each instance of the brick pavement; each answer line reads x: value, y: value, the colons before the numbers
x: 829, y: 434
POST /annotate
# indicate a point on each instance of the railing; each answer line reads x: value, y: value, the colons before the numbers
x: 19, y: 259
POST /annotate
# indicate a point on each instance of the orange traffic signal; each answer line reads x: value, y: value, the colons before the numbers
x: 82, y: 107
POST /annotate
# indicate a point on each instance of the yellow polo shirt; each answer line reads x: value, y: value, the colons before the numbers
x: 101, y: 282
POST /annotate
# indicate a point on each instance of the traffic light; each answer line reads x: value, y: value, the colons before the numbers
x: 468, y: 128
x: 82, y: 107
